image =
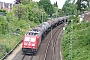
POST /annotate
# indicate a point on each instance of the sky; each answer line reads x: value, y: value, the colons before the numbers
x: 59, y: 2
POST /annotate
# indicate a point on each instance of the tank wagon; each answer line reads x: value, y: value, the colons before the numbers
x: 32, y: 39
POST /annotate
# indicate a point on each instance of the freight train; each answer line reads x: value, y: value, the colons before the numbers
x: 32, y: 39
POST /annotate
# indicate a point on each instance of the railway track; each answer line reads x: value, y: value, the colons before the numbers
x: 27, y: 57
x: 50, y: 51
x: 49, y: 48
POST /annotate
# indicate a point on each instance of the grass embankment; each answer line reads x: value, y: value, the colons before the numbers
x: 80, y: 35
x: 8, y: 41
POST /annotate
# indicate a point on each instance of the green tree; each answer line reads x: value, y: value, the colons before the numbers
x: 20, y: 12
x: 46, y: 4
x: 82, y: 5
x: 55, y: 4
x: 29, y: 13
x: 69, y: 8
x: 32, y: 12
x: 38, y: 13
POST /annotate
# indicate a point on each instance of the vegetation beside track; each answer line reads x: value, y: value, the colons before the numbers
x: 79, y: 35
x: 14, y: 34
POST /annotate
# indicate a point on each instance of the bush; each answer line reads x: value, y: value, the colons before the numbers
x: 80, y: 41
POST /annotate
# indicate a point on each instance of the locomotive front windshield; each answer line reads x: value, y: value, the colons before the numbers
x: 30, y: 39
x: 33, y: 33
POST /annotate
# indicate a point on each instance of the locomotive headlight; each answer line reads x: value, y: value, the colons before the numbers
x: 33, y: 44
x: 25, y: 43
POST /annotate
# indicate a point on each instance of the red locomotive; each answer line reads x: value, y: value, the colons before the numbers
x: 31, y: 41
x: 33, y: 38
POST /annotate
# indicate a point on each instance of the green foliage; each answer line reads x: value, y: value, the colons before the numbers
x: 80, y: 41
x: 3, y: 25
x: 9, y: 16
x: 2, y: 10
x: 39, y: 14
x: 14, y: 33
x: 69, y: 8
x: 25, y: 2
x: 60, y: 13
x: 46, y: 4
x: 20, y: 12
x: 75, y: 7
x: 82, y: 5
x: 79, y: 5
x: 55, y: 4
x: 74, y: 18
x: 31, y: 12
x: 14, y: 25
